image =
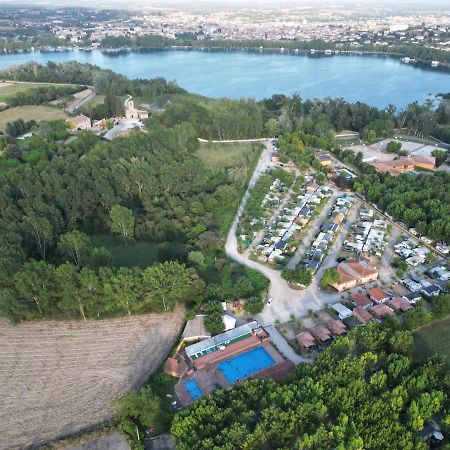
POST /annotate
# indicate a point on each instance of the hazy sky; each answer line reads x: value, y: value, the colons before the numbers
x: 232, y: 4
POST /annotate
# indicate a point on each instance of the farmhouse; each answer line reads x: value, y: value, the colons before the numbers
x: 80, y: 122
x: 354, y: 273
x: 131, y: 112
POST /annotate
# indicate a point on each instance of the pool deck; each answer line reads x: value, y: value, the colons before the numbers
x: 208, y: 376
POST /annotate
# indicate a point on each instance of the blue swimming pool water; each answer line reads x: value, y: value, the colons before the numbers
x: 193, y: 389
x: 245, y: 364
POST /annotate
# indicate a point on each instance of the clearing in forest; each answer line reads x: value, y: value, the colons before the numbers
x: 57, y: 378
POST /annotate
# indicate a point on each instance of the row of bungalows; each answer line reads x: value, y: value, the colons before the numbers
x: 376, y: 304
x: 321, y: 334
x: 367, y: 235
x: 292, y: 218
x: 419, y: 285
x: 411, y: 251
x: 328, y: 229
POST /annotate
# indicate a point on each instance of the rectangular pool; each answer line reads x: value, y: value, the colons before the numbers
x: 193, y: 389
x: 245, y: 364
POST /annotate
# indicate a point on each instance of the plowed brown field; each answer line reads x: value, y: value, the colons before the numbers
x: 57, y: 378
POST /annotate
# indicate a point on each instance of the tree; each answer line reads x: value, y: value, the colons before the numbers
x: 167, y: 284
x: 214, y: 321
x: 100, y: 257
x: 330, y: 277
x: 402, y: 343
x: 440, y: 155
x: 75, y: 245
x: 196, y: 258
x: 301, y: 275
x: 254, y: 305
x: 122, y: 221
x: 415, y: 420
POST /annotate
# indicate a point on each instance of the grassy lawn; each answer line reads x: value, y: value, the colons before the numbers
x: 30, y: 113
x: 432, y: 339
x: 226, y: 156
x: 98, y: 99
x: 138, y: 254
x: 10, y: 89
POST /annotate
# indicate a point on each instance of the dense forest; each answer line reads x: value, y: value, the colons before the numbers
x: 364, y: 391
x: 148, y: 187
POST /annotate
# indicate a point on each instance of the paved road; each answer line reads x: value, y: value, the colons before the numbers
x: 90, y: 94
x: 312, y: 231
x: 286, y: 301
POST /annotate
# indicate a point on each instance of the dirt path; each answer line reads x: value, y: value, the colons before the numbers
x: 57, y: 378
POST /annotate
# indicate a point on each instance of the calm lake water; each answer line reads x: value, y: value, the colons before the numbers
x: 378, y: 81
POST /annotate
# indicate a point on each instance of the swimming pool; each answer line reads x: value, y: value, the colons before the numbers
x: 193, y: 389
x: 245, y: 364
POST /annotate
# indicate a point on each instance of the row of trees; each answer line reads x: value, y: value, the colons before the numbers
x: 42, y: 94
x: 42, y: 291
x: 362, y: 392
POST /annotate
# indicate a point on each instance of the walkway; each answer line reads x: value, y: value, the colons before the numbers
x: 283, y: 346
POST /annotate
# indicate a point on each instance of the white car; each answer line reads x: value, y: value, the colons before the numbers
x: 269, y: 301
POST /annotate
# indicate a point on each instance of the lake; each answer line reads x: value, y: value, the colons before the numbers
x: 378, y: 81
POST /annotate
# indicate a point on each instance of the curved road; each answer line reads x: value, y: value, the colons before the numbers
x: 286, y: 301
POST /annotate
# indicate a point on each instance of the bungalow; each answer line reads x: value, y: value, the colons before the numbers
x: 343, y: 311
x: 380, y: 311
x: 361, y: 300
x: 337, y: 327
x: 377, y: 295
x: 366, y: 213
x: 322, y: 333
x: 431, y: 291
x: 329, y: 226
x: 306, y: 339
x: 400, y: 304
x: 354, y: 273
x: 411, y: 285
x: 362, y: 315
x: 412, y: 297
x: 337, y: 218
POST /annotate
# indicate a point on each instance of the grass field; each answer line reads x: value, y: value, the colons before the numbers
x: 432, y: 339
x: 139, y: 254
x: 226, y: 156
x: 10, y: 89
x: 58, y: 378
x: 30, y: 113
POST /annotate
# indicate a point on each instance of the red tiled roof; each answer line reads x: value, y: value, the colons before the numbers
x: 363, y: 316
x: 351, y: 270
x: 337, y: 327
x: 400, y: 304
x: 379, y: 311
x: 377, y: 294
x: 306, y: 339
x: 361, y: 300
x: 321, y: 332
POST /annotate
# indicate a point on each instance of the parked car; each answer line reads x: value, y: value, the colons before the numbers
x: 269, y: 301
